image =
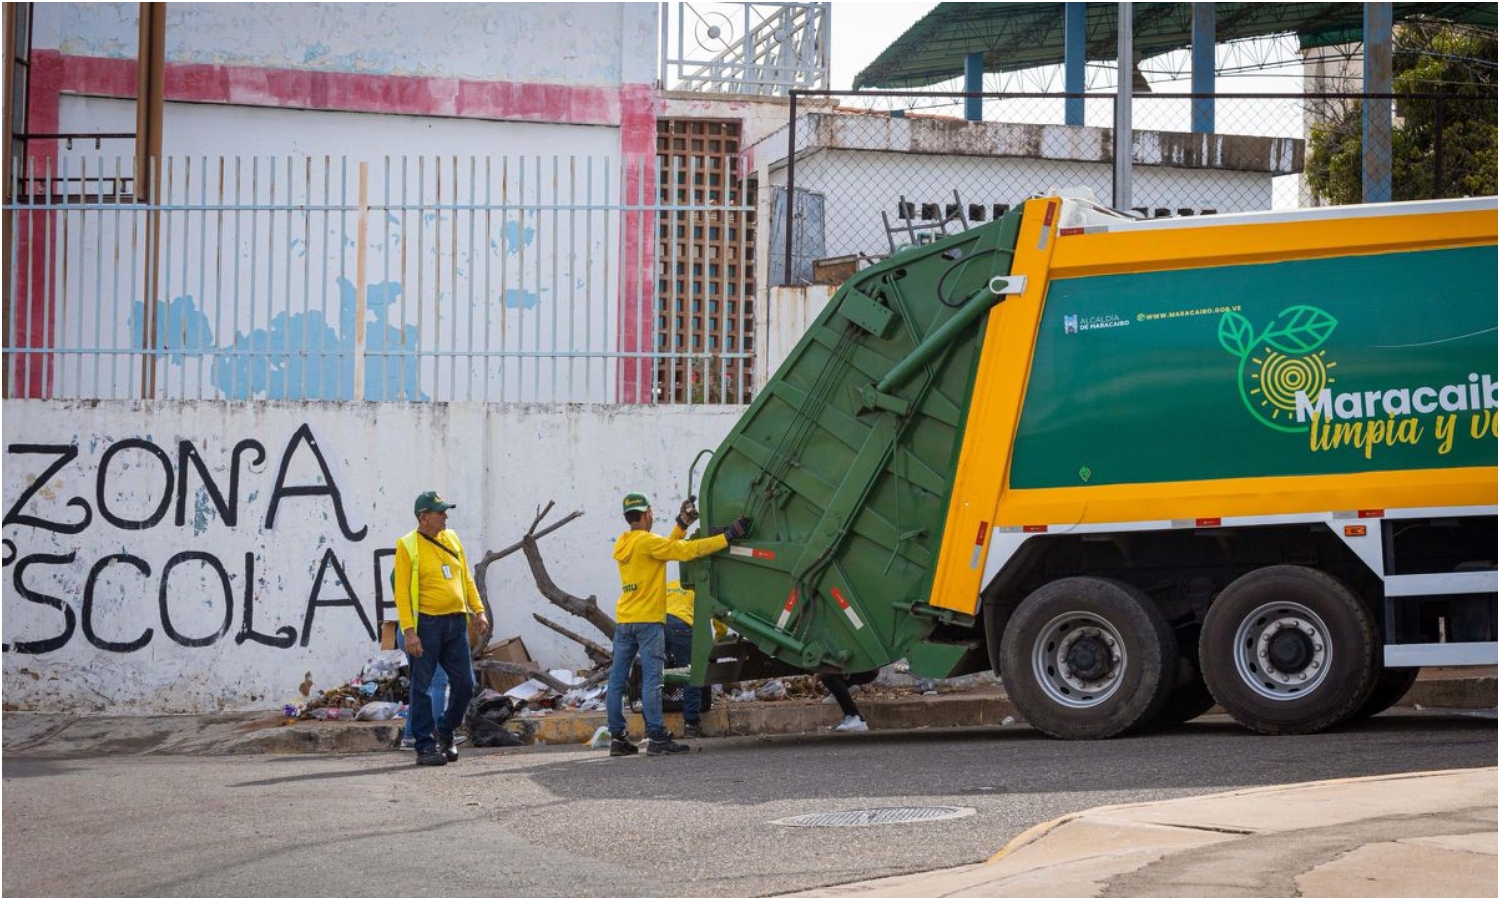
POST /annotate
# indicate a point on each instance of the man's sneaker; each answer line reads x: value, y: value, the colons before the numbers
x: 433, y: 757
x: 407, y: 744
x: 446, y: 744
x: 664, y: 747
x: 692, y: 730
x: 852, y: 723
x: 621, y: 746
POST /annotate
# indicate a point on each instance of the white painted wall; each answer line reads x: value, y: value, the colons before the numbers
x: 559, y: 43
x: 498, y: 463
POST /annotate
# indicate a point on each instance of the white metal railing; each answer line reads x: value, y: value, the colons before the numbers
x: 517, y: 278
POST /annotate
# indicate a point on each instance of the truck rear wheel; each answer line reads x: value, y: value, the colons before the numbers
x: 1190, y: 697
x: 1288, y: 650
x: 1088, y: 658
x: 1390, y: 686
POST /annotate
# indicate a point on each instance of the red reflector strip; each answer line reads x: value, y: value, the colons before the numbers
x: 1371, y: 513
x: 984, y: 529
x: 762, y: 554
x: 1208, y: 523
x: 786, y: 611
x: 854, y: 618
x: 1051, y: 214
x: 1064, y: 232
x: 1033, y: 529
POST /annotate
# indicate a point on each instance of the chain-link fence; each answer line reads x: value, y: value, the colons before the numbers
x: 865, y: 182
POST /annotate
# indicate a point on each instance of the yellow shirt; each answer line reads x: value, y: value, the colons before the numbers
x: 437, y: 593
x: 643, y: 557
x: 680, y: 601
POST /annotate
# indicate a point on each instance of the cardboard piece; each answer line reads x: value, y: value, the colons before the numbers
x: 388, y: 635
x: 511, y: 649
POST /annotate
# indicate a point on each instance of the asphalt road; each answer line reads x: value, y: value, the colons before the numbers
x: 565, y: 821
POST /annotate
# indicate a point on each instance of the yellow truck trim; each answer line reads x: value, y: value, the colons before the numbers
x: 999, y: 385
x: 1223, y: 498
x: 980, y: 499
x: 1156, y: 250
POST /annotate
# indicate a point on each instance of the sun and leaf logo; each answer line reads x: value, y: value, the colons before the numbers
x: 1279, y: 363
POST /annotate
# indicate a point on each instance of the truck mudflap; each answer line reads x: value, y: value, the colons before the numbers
x: 844, y: 464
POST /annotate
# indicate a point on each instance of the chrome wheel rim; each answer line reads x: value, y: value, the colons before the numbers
x: 1079, y: 660
x: 1282, y: 651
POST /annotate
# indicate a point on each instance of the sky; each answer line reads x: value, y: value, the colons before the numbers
x: 864, y: 28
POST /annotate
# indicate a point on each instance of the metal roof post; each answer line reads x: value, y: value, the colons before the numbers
x: 1124, y: 146
x: 1376, y: 124
x: 973, y: 84
x: 1203, y: 67
x: 1075, y: 23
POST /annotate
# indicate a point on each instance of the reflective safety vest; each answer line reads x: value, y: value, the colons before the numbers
x: 409, y: 541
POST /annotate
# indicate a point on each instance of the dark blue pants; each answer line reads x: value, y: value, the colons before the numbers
x: 680, y: 653
x: 445, y: 643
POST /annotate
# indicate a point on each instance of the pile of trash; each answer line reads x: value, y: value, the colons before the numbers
x: 583, y: 694
x: 379, y: 692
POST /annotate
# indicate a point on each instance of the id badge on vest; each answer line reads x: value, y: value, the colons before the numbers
x: 447, y: 572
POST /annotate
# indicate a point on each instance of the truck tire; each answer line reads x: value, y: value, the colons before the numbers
x: 1190, y: 697
x: 1088, y: 658
x: 1390, y: 685
x: 1288, y: 650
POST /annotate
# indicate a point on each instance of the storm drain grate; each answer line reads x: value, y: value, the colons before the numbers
x: 893, y: 815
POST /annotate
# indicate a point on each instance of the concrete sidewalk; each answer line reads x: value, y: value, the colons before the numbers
x: 1428, y: 834
x: 224, y: 734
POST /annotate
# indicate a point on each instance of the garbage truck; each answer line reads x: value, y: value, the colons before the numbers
x: 1133, y: 467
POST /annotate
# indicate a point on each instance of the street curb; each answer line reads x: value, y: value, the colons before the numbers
x: 1042, y: 829
x: 225, y: 734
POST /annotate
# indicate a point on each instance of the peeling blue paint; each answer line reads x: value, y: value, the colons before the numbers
x: 517, y: 298
x: 180, y: 327
x: 514, y: 237
x: 300, y: 355
x: 200, y: 511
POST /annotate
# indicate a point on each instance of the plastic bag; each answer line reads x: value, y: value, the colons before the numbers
x: 383, y: 665
x: 771, y: 690
x: 377, y: 711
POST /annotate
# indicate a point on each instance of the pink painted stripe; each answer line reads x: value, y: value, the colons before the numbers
x: 358, y: 92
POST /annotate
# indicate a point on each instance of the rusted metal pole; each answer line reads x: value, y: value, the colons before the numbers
x: 151, y: 78
x: 360, y: 281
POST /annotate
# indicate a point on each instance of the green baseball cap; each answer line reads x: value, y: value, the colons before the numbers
x: 431, y: 501
x: 635, y: 501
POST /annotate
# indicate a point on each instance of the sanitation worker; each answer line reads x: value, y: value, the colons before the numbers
x: 435, y: 595
x: 641, y: 613
x: 679, y: 631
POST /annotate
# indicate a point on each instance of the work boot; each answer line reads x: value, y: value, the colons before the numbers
x: 665, y: 746
x: 692, y: 730
x: 446, y: 744
x: 619, y: 745
x: 433, y: 757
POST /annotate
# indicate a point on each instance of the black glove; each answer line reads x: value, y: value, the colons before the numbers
x: 687, y: 514
x: 737, y: 529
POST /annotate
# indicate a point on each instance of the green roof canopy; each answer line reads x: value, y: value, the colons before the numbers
x: 1015, y: 36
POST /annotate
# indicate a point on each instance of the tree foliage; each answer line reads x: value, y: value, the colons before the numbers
x: 1458, y: 63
